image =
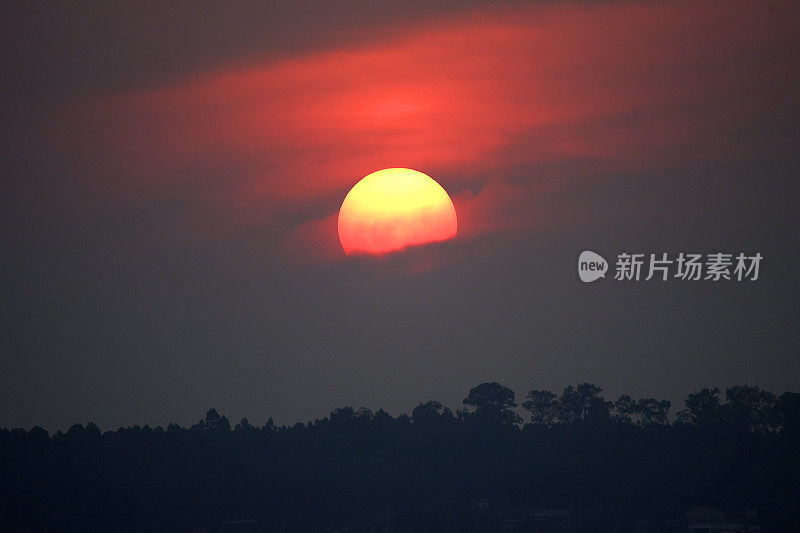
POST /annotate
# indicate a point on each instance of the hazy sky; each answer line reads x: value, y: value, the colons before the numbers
x: 172, y: 176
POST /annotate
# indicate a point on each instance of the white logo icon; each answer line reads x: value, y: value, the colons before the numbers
x: 591, y: 266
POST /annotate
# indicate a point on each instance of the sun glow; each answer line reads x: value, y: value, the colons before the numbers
x: 392, y: 209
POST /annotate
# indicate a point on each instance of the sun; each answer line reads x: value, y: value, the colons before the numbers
x: 394, y: 208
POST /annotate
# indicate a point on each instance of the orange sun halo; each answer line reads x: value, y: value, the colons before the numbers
x: 392, y: 209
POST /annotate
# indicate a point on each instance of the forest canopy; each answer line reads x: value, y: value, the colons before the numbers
x: 433, y: 469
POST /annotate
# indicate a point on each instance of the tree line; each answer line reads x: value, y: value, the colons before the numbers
x: 746, y: 407
x: 432, y: 469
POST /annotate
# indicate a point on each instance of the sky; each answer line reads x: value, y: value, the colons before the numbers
x: 172, y: 176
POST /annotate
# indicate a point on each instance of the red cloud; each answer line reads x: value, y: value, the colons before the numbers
x: 615, y: 86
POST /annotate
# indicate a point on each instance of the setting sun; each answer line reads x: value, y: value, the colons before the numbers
x: 393, y: 208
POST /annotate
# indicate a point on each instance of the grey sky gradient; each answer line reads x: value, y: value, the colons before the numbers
x: 115, y: 311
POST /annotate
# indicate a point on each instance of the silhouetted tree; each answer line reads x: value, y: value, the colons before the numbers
x: 583, y: 404
x: 543, y: 406
x: 213, y: 422
x: 243, y: 425
x: 625, y: 409
x: 426, y: 412
x: 703, y: 408
x: 643, y: 412
x: 38, y: 433
x: 493, y: 402
x: 751, y: 408
x: 652, y: 411
x: 365, y: 414
x: 343, y: 414
x: 382, y: 418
